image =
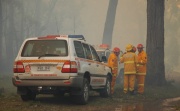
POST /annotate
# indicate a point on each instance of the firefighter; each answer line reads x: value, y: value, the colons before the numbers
x: 141, y: 68
x: 113, y: 64
x: 134, y: 49
x: 129, y: 59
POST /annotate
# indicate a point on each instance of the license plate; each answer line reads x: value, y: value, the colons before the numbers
x: 43, y: 68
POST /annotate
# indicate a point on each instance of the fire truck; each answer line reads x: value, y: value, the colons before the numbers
x: 103, y: 51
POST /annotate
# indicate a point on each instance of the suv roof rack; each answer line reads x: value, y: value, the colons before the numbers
x: 81, y: 37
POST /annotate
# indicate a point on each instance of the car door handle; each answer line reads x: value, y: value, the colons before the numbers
x: 89, y: 64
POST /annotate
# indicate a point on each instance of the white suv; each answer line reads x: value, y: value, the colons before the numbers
x: 59, y: 64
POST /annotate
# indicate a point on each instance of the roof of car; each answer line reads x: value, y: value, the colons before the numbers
x: 79, y: 37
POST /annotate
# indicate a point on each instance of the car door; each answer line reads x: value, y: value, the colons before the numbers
x: 89, y: 59
x: 99, y: 76
x: 83, y: 66
x: 98, y: 65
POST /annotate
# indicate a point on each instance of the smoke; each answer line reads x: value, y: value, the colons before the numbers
x: 87, y: 17
x: 130, y: 25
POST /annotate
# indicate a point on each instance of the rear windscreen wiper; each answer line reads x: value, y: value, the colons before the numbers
x: 47, y: 55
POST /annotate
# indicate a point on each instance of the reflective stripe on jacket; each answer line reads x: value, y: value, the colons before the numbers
x: 141, y: 65
x: 129, y: 59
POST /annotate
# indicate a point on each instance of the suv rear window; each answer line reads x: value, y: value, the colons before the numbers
x: 35, y: 48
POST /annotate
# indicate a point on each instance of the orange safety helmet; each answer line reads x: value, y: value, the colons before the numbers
x: 116, y: 49
x: 140, y: 46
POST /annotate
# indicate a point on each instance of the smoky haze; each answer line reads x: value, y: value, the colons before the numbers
x: 87, y: 17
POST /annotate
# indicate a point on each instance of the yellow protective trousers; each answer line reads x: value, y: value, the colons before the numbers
x: 129, y: 81
x: 113, y: 82
x: 140, y: 83
x: 113, y: 64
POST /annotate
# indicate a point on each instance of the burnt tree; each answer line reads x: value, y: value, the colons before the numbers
x: 155, y: 42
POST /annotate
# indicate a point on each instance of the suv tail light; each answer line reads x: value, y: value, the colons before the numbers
x: 69, y: 67
x: 18, y: 67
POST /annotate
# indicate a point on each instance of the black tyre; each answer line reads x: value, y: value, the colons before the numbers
x: 106, y: 91
x: 84, y: 96
x: 29, y: 96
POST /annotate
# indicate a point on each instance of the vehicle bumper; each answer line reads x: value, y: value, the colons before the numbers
x: 71, y: 82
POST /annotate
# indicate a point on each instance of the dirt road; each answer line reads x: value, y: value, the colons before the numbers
x: 152, y: 100
x: 96, y: 103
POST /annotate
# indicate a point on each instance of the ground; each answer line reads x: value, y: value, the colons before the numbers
x: 154, y: 99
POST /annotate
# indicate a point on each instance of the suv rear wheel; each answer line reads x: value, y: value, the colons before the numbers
x: 28, y: 96
x: 106, y: 91
x: 84, y: 96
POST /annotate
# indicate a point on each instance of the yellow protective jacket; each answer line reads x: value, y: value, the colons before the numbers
x: 141, y: 65
x: 113, y: 62
x: 129, y: 59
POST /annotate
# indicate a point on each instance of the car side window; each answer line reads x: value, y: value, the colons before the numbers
x: 94, y: 53
x: 79, y: 49
x: 87, y: 51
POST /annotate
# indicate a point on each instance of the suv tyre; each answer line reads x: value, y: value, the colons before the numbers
x: 106, y: 92
x: 29, y: 96
x: 84, y: 96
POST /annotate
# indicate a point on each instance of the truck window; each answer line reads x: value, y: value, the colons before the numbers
x: 79, y: 49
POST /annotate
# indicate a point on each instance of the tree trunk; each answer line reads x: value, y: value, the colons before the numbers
x: 155, y: 42
x: 1, y: 28
x: 109, y: 23
x: 10, y: 37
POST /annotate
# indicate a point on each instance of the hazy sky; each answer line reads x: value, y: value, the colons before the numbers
x: 88, y: 17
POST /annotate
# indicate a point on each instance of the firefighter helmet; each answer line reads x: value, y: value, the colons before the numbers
x: 140, y: 46
x: 116, y: 49
x: 129, y: 47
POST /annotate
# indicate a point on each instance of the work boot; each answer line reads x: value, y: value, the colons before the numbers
x: 125, y: 91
